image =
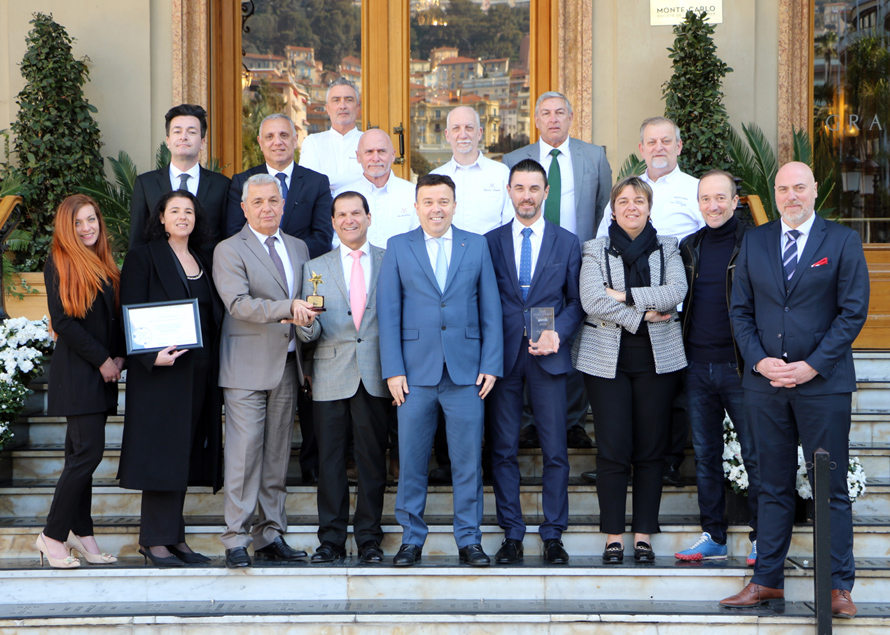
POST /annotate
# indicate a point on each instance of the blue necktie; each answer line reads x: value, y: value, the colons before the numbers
x: 789, y: 257
x: 525, y: 262
x: 441, y: 265
x: 281, y: 176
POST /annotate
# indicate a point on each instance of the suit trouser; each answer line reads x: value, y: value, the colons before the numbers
x: 70, y: 509
x: 259, y: 431
x: 366, y: 416
x: 547, y: 394
x: 778, y: 420
x: 418, y: 417
x: 631, y: 417
x: 577, y: 402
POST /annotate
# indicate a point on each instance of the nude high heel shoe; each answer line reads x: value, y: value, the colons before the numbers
x: 74, y: 543
x: 57, y: 563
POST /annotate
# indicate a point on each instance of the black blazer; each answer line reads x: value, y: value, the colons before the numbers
x: 158, y: 418
x: 76, y: 386
x: 307, y: 210
x: 213, y: 188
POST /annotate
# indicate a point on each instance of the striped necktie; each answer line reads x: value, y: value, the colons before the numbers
x: 789, y: 256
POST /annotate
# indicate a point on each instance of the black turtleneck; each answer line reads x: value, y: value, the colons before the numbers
x: 710, y: 336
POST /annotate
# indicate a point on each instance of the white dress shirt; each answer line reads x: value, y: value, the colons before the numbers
x: 288, y: 173
x: 804, y: 230
x: 567, y: 218
x: 333, y: 154
x: 674, y: 206
x: 392, y: 208
x: 365, y: 263
x: 192, y: 184
x: 432, y: 247
x: 281, y: 250
x: 482, y: 200
x: 536, y: 237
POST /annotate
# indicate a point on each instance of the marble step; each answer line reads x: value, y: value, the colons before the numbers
x: 872, y: 365
x: 872, y: 396
x: 24, y: 581
x: 120, y: 535
x: 431, y: 617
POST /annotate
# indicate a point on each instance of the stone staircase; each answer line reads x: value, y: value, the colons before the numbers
x: 438, y: 596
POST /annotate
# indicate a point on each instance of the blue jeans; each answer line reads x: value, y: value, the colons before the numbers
x: 712, y: 389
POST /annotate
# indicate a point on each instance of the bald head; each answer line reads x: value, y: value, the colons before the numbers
x: 796, y: 191
x: 376, y: 154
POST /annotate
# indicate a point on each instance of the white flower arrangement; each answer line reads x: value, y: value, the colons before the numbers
x: 24, y: 344
x: 734, y: 468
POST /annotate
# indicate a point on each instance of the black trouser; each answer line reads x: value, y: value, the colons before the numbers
x: 678, y: 434
x: 70, y: 509
x: 631, y: 416
x: 366, y: 415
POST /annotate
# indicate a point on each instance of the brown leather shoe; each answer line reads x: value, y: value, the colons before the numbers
x: 842, y: 604
x: 394, y: 469
x: 755, y: 595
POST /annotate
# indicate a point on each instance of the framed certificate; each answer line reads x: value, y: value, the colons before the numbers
x: 154, y: 326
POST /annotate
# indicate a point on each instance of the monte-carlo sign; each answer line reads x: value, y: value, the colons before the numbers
x: 670, y: 12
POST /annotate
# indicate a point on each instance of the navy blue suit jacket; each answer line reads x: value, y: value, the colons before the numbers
x: 307, y: 210
x: 422, y: 329
x: 554, y: 283
x: 815, y: 320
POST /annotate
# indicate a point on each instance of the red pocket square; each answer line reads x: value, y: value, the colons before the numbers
x: 824, y: 261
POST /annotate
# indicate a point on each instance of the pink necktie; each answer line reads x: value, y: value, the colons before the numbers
x: 357, y: 293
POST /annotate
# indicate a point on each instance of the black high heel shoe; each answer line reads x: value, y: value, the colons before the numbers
x: 188, y: 557
x: 170, y: 561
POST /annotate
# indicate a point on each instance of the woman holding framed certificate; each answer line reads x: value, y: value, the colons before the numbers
x: 82, y: 282
x: 172, y: 426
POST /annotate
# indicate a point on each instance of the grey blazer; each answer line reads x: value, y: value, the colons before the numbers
x: 343, y: 357
x: 593, y: 181
x: 595, y: 350
x: 253, y: 348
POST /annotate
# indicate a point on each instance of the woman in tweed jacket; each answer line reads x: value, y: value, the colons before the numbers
x: 630, y: 348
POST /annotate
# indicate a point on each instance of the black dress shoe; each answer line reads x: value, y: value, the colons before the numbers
x: 310, y: 476
x: 589, y: 477
x: 613, y: 553
x: 511, y: 552
x: 188, y: 557
x: 441, y: 475
x: 577, y: 438
x: 370, y: 553
x: 278, y: 550
x: 554, y: 552
x: 473, y: 556
x: 328, y: 552
x: 237, y: 558
x: 408, y: 556
x: 672, y: 475
x: 643, y: 553
x: 158, y: 561
x: 528, y: 438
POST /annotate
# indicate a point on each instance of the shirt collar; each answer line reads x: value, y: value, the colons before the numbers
x: 537, y: 227
x: 337, y: 135
x: 446, y: 235
x: 804, y: 229
x: 193, y: 171
x: 262, y: 237
x: 475, y: 164
x: 667, y: 178
x: 563, y: 147
x: 346, y: 251
x: 289, y: 170
x: 373, y: 188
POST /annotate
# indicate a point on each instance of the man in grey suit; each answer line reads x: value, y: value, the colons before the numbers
x: 580, y: 181
x: 348, y: 390
x: 257, y: 273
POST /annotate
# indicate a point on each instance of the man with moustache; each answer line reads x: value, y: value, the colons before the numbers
x: 537, y: 264
x: 332, y: 152
x: 799, y: 299
x: 713, y: 374
x: 186, y: 126
x: 441, y: 345
x: 348, y: 391
x: 580, y: 181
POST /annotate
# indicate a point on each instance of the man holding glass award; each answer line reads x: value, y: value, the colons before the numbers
x: 537, y: 264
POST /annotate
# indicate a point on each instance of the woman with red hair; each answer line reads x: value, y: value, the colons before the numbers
x: 82, y: 287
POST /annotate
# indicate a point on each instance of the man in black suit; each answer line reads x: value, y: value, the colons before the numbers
x: 307, y: 216
x: 186, y: 127
x: 799, y: 299
x: 307, y: 208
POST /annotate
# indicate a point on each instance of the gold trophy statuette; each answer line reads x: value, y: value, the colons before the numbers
x: 317, y: 301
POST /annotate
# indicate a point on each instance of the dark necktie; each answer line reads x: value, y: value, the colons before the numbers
x: 525, y: 262
x: 276, y: 260
x: 554, y: 180
x: 281, y: 176
x: 789, y: 256
x: 183, y: 181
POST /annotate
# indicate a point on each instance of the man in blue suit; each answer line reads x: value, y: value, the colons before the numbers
x: 441, y: 344
x: 537, y: 264
x: 799, y: 299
